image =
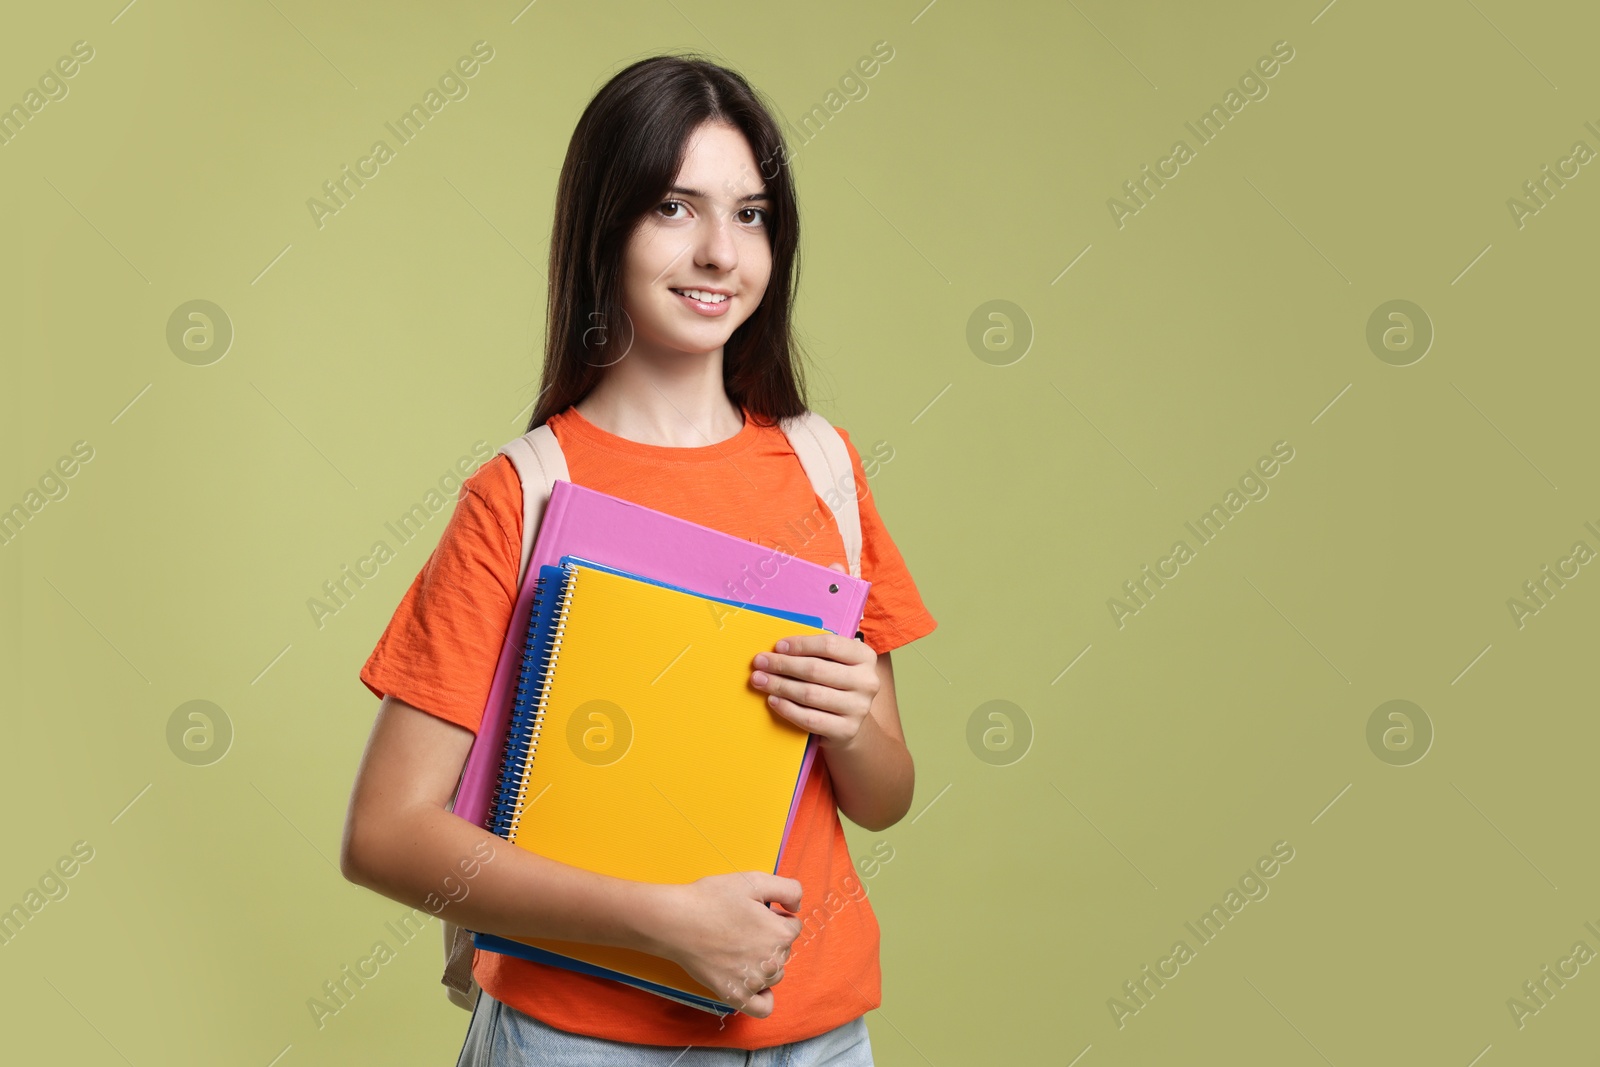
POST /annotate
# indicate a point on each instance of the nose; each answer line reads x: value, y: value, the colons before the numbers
x: 715, y: 248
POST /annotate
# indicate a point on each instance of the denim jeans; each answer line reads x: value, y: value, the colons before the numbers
x: 500, y: 1036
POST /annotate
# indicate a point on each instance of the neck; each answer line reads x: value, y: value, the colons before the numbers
x: 675, y: 402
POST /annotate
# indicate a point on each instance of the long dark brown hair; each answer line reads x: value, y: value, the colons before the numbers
x: 624, y: 154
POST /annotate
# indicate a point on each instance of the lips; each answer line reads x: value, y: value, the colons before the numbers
x: 704, y: 307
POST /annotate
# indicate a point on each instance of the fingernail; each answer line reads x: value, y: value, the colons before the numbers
x: 758, y: 678
x: 761, y: 660
x: 783, y: 646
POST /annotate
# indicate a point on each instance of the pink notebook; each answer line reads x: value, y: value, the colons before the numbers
x: 619, y: 533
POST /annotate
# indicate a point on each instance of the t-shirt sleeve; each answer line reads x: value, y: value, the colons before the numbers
x: 440, y: 649
x: 895, y: 614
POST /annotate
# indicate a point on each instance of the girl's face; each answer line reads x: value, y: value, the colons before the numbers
x: 708, y: 238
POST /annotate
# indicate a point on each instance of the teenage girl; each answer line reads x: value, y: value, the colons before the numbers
x: 668, y: 361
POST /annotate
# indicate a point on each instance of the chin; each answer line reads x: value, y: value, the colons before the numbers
x: 701, y: 346
x: 699, y: 341
x: 690, y: 344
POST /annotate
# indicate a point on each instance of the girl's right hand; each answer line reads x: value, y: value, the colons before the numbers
x: 721, y: 931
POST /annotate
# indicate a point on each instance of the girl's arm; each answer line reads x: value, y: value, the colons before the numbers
x: 873, y: 774
x: 400, y: 841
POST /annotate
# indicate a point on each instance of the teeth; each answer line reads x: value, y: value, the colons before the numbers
x: 702, y: 295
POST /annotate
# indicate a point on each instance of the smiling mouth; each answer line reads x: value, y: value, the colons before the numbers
x: 705, y: 296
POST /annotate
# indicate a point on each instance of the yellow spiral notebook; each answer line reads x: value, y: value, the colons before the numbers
x: 639, y: 749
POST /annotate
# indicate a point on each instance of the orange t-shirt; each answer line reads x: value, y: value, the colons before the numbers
x: 439, y: 654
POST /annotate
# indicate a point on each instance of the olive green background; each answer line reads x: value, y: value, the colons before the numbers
x: 1041, y: 868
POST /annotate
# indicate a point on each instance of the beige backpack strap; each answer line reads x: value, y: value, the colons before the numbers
x: 539, y: 462
x: 459, y: 984
x: 826, y: 460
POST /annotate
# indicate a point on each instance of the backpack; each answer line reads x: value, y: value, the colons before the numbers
x: 539, y: 462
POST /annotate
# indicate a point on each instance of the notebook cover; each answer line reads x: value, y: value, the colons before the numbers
x: 494, y: 820
x: 809, y: 620
x: 620, y: 533
x: 646, y: 812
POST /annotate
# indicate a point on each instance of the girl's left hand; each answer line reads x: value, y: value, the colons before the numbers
x: 823, y: 683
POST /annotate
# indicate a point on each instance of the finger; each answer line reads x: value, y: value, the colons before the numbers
x: 810, y: 694
x: 741, y: 991
x: 769, y: 886
x: 758, y: 1006
x: 806, y: 668
x: 771, y: 972
x: 806, y: 694
x: 751, y: 988
x: 825, y: 724
x: 826, y: 646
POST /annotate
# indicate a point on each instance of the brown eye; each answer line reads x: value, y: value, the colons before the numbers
x: 671, y: 203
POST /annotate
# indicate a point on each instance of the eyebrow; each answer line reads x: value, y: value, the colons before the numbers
x: 685, y: 191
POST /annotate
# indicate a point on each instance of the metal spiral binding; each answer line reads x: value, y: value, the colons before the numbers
x: 526, y: 739
x: 503, y: 796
